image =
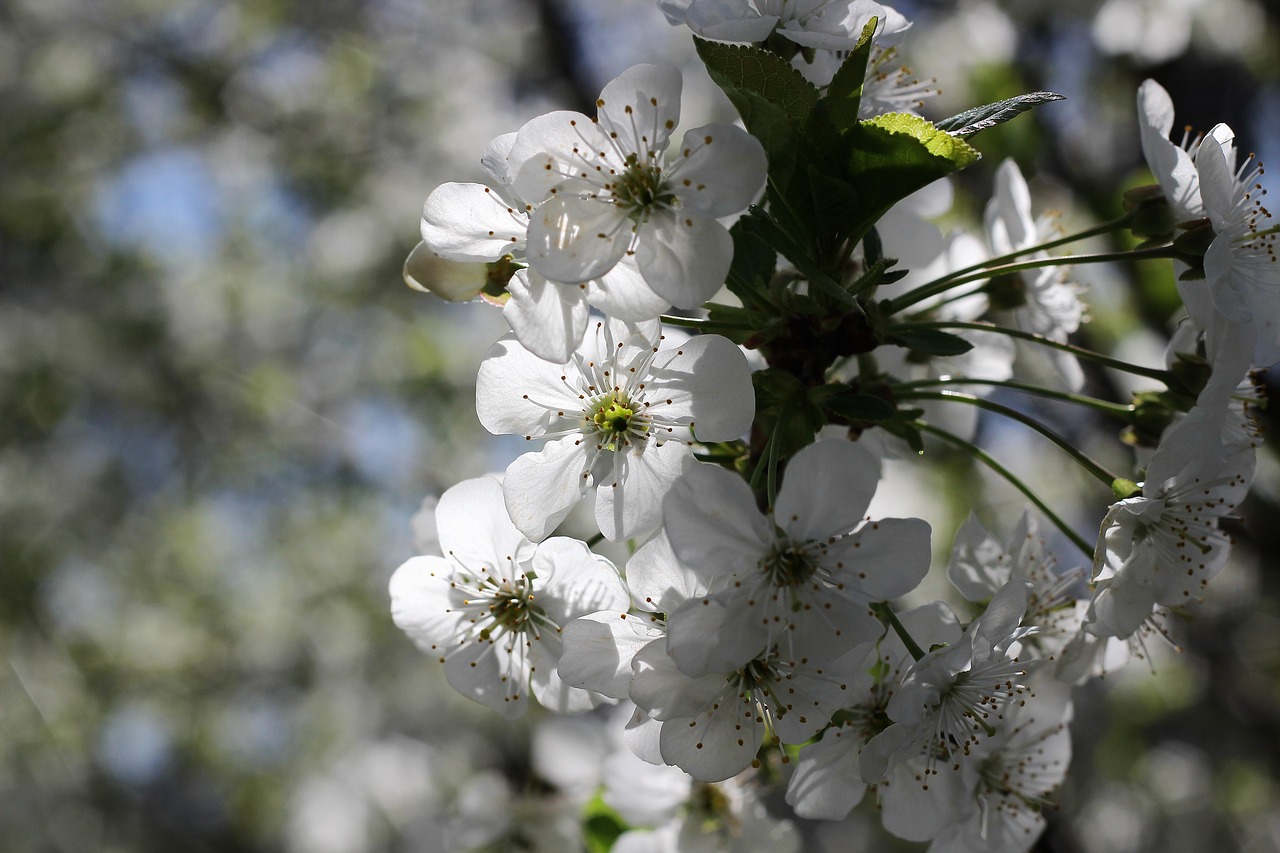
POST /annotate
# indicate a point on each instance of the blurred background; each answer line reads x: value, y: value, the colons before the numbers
x: 220, y: 409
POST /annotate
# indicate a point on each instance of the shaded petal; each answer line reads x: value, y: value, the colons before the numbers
x: 622, y: 293
x: 573, y: 238
x: 575, y: 581
x: 883, y: 559
x: 549, y: 689
x: 704, y: 384
x: 716, y: 744
x: 642, y: 106
x: 487, y: 673
x: 599, y: 648
x: 711, y: 519
x: 827, y: 487
x: 518, y: 393
x: 738, y: 636
x: 548, y: 318
x: 663, y: 691
x: 684, y: 256
x: 542, y: 487
x: 629, y: 505
x: 657, y: 581
x: 471, y: 222
x: 827, y: 783
x: 720, y: 170
x: 978, y: 565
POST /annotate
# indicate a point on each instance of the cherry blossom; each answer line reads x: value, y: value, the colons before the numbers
x: 604, y: 191
x: 492, y: 607
x: 620, y: 416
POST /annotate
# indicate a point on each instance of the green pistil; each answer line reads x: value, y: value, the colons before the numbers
x: 640, y: 188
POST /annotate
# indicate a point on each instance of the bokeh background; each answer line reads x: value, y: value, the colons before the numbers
x: 220, y: 410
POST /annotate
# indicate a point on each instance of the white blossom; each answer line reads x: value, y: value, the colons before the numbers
x: 620, y: 416
x: 605, y: 192
x: 825, y: 24
x: 491, y: 609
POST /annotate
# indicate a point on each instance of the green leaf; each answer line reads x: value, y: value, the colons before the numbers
x: 894, y: 155
x: 844, y: 95
x: 931, y: 341
x: 835, y: 202
x: 759, y: 224
x: 601, y: 825
x: 971, y: 121
x: 745, y: 68
x: 754, y: 262
x: 860, y: 407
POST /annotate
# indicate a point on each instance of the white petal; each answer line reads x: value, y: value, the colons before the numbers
x: 711, y: 519
x: 495, y: 156
x: 1171, y: 165
x: 1008, y: 217
x: 549, y: 689
x: 475, y: 530
x: 827, y: 783
x: 518, y: 393
x: 704, y: 383
x: 684, y: 256
x: 720, y: 170
x: 657, y: 581
x: 889, y: 556
x: 978, y: 565
x: 542, y: 487
x: 665, y: 692
x: 574, y: 581
x: 825, y: 490
x: 487, y: 673
x: 630, y: 505
x: 599, y: 648
x: 573, y: 238
x: 554, y: 148
x: 711, y: 635
x: 622, y: 293
x: 642, y: 106
x: 471, y: 222
x: 420, y: 602
x: 716, y: 744
x: 729, y: 21
x: 548, y: 318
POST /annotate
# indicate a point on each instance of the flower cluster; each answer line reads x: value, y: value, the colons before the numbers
x: 759, y: 610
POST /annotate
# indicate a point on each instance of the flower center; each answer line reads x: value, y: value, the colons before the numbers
x: 788, y: 565
x: 641, y: 188
x: 510, y: 607
x: 614, y: 421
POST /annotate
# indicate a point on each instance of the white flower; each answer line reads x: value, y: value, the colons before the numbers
x: 1009, y: 776
x: 1044, y: 303
x: 606, y: 192
x: 828, y: 782
x: 825, y: 24
x: 1163, y: 547
x: 712, y: 725
x: 954, y: 695
x: 1241, y: 267
x: 475, y: 223
x: 801, y: 578
x: 492, y: 607
x: 1173, y: 165
x: 621, y: 414
x: 980, y: 566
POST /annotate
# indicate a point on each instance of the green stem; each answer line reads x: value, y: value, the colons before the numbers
x: 595, y: 540
x: 1063, y: 444
x: 1115, y: 409
x: 992, y: 269
x: 886, y: 614
x: 986, y: 459
x: 1080, y: 352
x: 703, y: 324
